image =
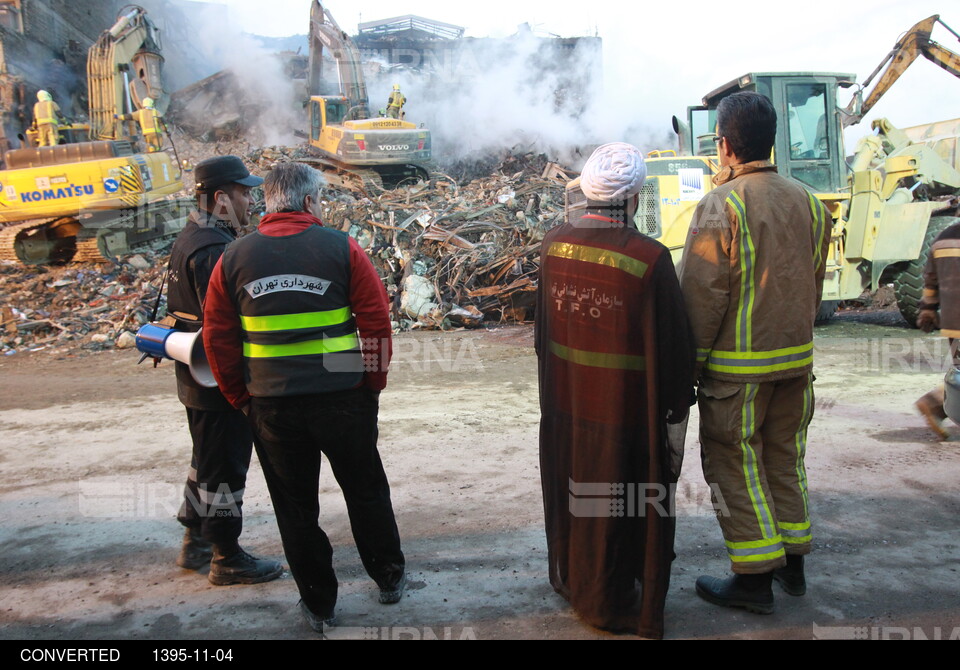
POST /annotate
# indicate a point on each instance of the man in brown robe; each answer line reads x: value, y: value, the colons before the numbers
x: 616, y: 365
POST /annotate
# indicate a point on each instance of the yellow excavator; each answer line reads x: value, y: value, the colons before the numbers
x: 354, y: 150
x: 92, y: 200
x: 899, y: 191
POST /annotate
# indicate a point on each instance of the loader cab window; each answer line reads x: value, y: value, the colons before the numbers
x: 807, y: 121
x: 703, y: 123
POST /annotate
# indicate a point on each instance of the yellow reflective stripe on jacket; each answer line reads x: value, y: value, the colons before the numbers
x: 795, y: 533
x: 596, y: 359
x: 801, y: 447
x: 44, y: 112
x: 744, y: 329
x: 702, y: 354
x: 755, y: 550
x: 946, y: 253
x: 760, y: 362
x: 613, y: 259
x: 751, y: 468
x: 818, y: 229
x: 264, y: 324
x: 327, y: 345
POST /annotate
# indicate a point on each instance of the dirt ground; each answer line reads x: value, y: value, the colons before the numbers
x: 95, y: 449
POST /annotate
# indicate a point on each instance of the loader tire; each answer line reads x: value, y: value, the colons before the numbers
x: 908, y: 283
x: 827, y: 309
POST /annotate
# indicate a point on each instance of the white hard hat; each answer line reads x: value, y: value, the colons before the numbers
x: 614, y: 172
x: 44, y: 96
x: 148, y: 102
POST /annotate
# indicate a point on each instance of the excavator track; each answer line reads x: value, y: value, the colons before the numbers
x: 97, y: 239
x: 370, y: 182
x: 31, y: 242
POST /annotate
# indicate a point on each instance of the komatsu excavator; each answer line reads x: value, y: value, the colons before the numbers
x: 353, y: 150
x: 91, y: 200
x: 900, y: 190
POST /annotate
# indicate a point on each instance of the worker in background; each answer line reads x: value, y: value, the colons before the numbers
x: 395, y: 103
x: 616, y: 365
x: 940, y: 309
x: 46, y: 119
x: 754, y: 239
x: 151, y: 125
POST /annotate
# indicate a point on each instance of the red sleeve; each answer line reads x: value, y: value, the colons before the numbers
x: 368, y: 298
x: 223, y: 340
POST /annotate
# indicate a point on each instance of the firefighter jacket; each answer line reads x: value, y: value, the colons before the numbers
x: 752, y: 273
x: 941, y: 281
x: 46, y: 111
x: 296, y: 309
x: 148, y: 119
x: 397, y: 99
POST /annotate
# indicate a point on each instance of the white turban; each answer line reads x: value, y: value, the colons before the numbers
x: 613, y: 173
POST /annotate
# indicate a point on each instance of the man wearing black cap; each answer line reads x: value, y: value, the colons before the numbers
x: 222, y: 441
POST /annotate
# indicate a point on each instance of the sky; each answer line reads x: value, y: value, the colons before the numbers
x: 660, y: 57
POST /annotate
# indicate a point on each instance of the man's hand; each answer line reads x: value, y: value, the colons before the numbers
x: 928, y: 321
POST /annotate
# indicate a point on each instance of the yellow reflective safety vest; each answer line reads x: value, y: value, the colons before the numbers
x: 292, y: 294
x: 45, y: 111
x: 752, y: 274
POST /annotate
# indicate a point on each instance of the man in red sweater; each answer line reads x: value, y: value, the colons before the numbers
x: 297, y: 332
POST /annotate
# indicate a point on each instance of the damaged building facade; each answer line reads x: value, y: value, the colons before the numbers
x: 43, y: 45
x: 440, y: 53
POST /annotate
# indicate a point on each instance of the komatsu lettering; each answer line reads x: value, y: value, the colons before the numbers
x: 393, y: 147
x: 57, y: 193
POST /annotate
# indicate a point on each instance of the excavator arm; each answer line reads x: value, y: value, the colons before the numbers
x: 914, y: 43
x: 123, y: 68
x: 324, y: 32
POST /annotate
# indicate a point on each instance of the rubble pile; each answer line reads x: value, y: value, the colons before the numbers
x: 450, y: 255
x: 454, y: 255
x: 81, y: 306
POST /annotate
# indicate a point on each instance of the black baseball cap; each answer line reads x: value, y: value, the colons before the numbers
x: 220, y: 170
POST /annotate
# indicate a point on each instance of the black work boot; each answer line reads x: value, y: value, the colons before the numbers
x: 754, y: 593
x: 235, y: 566
x: 393, y: 595
x: 317, y: 623
x: 196, y: 552
x: 790, y: 577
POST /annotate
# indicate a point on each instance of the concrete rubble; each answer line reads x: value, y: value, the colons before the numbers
x: 451, y: 254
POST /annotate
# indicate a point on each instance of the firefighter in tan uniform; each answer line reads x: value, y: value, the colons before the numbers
x: 151, y: 125
x: 940, y: 308
x: 47, y: 117
x: 751, y: 274
x: 395, y: 103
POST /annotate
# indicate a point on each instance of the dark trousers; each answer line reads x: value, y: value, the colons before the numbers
x: 290, y: 434
x: 213, y: 495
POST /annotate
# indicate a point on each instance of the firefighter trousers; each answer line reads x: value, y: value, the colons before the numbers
x: 753, y: 439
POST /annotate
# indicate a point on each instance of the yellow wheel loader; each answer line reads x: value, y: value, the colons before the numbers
x: 889, y: 203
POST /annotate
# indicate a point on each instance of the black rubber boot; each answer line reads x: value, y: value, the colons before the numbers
x: 791, y: 577
x: 239, y: 567
x: 196, y: 552
x: 753, y: 593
